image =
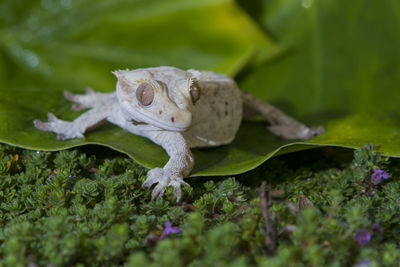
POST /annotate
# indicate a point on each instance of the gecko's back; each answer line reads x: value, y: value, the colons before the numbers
x: 218, y: 113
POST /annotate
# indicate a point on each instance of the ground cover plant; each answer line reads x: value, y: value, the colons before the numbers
x: 75, y: 208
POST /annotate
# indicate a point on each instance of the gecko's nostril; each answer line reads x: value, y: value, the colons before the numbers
x: 181, y: 120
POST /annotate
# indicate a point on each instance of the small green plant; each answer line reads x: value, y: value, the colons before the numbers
x: 72, y: 208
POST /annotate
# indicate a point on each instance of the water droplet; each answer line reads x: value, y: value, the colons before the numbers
x: 306, y: 3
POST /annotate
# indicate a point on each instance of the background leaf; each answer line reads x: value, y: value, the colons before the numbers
x: 339, y: 68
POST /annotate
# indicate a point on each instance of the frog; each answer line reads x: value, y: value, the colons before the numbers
x: 176, y: 109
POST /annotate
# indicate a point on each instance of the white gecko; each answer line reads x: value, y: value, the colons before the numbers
x: 177, y: 110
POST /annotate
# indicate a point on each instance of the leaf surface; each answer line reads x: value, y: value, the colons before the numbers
x: 339, y: 68
x: 49, y: 46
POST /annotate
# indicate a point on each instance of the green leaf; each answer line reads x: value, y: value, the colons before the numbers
x: 339, y: 69
x: 49, y: 46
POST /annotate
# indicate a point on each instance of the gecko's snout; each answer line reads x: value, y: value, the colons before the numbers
x: 182, y: 120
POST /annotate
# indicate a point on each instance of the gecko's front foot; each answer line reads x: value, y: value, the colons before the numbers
x: 164, y: 180
x: 63, y: 129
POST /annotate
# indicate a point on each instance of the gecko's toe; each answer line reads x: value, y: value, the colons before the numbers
x: 61, y: 137
x: 158, y: 191
x: 296, y: 131
x: 77, y: 99
x: 77, y: 107
x: 163, y: 180
x: 43, y: 126
x: 176, y: 184
x: 317, y: 130
x: 40, y: 125
x: 89, y: 91
x: 177, y: 191
x: 51, y: 117
x: 156, y: 176
x: 313, y: 131
x: 68, y: 95
x: 153, y: 176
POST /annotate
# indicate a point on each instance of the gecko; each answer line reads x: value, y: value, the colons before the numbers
x: 176, y: 109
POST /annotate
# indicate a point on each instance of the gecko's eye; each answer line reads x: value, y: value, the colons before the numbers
x: 145, y: 94
x: 194, y: 92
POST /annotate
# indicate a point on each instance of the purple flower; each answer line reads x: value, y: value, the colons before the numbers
x: 362, y: 236
x: 367, y: 146
x: 363, y: 263
x: 378, y: 228
x: 378, y: 175
x: 169, y: 230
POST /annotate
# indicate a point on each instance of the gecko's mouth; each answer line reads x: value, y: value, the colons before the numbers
x: 176, y: 126
x: 175, y: 120
x: 160, y: 125
x: 135, y: 122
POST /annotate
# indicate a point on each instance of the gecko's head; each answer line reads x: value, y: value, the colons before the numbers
x: 146, y: 101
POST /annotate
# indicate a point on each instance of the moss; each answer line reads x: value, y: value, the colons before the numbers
x: 73, y: 208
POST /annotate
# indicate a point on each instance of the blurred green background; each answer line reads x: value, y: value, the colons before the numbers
x: 329, y: 62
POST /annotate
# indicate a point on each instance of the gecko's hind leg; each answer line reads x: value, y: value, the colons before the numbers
x: 295, y: 131
x: 280, y: 124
